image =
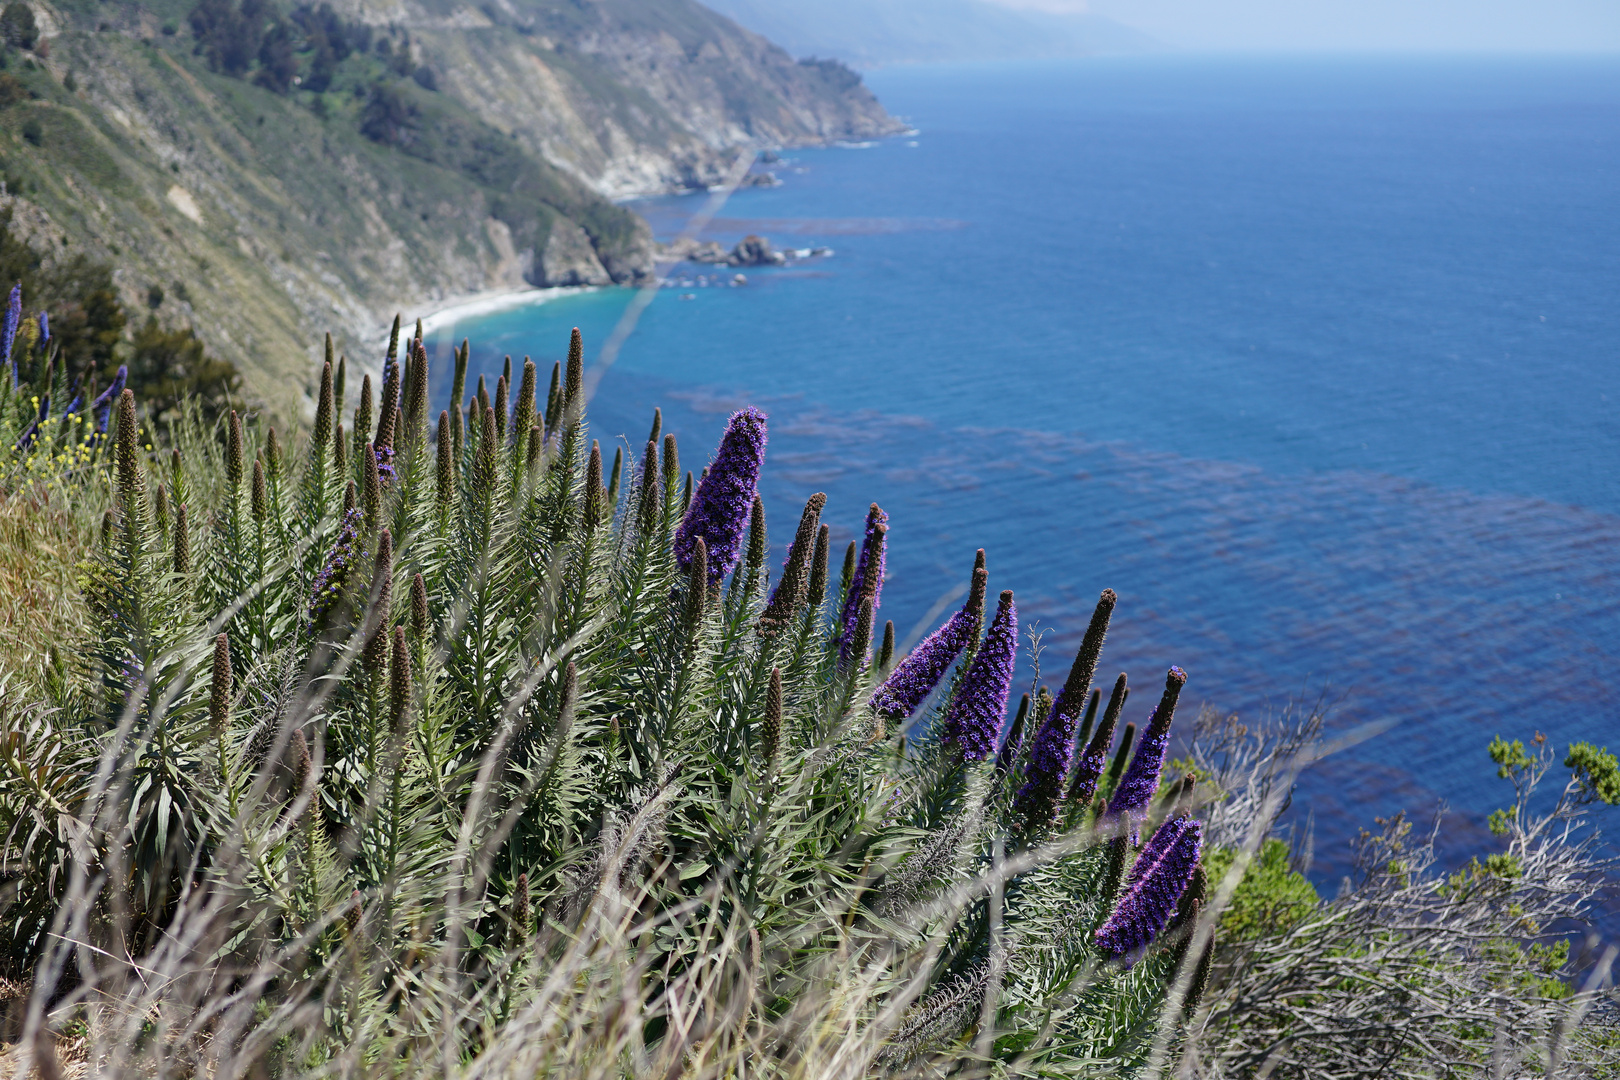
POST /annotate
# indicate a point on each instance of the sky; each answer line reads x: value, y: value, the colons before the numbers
x: 1444, y: 25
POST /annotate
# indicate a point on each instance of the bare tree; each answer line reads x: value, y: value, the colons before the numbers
x: 1412, y: 971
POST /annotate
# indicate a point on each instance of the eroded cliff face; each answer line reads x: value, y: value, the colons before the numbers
x: 630, y: 96
x: 483, y: 156
x: 264, y: 227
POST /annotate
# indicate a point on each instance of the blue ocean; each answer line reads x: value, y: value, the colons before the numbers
x: 1316, y: 362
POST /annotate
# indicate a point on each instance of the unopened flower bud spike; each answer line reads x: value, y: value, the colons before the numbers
x: 650, y: 495
x: 793, y: 586
x: 816, y: 589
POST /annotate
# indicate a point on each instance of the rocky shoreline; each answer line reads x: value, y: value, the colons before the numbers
x: 751, y: 250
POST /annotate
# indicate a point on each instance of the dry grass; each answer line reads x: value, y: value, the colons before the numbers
x: 43, y: 538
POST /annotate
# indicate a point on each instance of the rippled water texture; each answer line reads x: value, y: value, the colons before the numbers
x: 1316, y: 363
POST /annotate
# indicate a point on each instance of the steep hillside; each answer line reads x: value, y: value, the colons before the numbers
x: 284, y: 171
x: 636, y: 95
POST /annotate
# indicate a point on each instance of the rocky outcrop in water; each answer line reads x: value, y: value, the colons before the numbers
x: 755, y: 251
x: 751, y: 250
x: 686, y: 249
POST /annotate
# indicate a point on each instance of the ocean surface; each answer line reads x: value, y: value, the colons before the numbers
x: 1316, y: 362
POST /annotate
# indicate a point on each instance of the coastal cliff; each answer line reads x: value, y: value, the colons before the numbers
x: 633, y: 96
x: 283, y: 172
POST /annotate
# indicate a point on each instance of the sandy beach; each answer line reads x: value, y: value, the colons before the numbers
x: 468, y: 307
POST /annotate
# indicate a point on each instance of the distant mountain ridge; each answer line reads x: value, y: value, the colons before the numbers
x: 285, y: 167
x: 871, y: 33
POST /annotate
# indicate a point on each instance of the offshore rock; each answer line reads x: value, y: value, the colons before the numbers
x: 754, y: 250
x: 690, y: 249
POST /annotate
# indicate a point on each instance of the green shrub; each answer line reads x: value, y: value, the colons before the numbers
x: 1597, y: 773
x: 1269, y: 899
x: 17, y: 25
x: 170, y: 368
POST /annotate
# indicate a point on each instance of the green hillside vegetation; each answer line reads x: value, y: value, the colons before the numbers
x: 410, y: 156
x: 370, y: 82
x: 92, y: 335
x: 278, y: 169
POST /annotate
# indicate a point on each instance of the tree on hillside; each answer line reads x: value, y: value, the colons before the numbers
x: 277, y: 63
x: 17, y: 26
x: 172, y: 367
x: 330, y: 39
x: 229, y: 35
x: 234, y: 35
x: 324, y: 65
x: 388, y: 117
x: 87, y: 319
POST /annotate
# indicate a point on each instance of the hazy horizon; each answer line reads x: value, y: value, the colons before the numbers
x: 1584, y: 26
x: 877, y: 33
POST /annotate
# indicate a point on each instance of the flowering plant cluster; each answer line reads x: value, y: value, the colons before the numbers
x: 402, y: 748
x: 333, y: 575
x: 44, y: 444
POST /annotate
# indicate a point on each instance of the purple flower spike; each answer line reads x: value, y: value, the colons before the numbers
x: 869, y: 566
x: 1141, y: 779
x: 1053, y: 749
x: 102, y: 406
x: 725, y: 498
x: 1155, y: 888
x: 916, y: 676
x: 1094, y: 758
x: 1048, y: 767
x: 1087, y: 773
x: 385, y: 464
x: 1163, y: 839
x: 44, y: 328
x: 980, y: 705
x: 8, y: 329
x: 334, y: 572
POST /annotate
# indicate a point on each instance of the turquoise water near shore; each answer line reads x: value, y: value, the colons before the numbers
x: 1316, y: 362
